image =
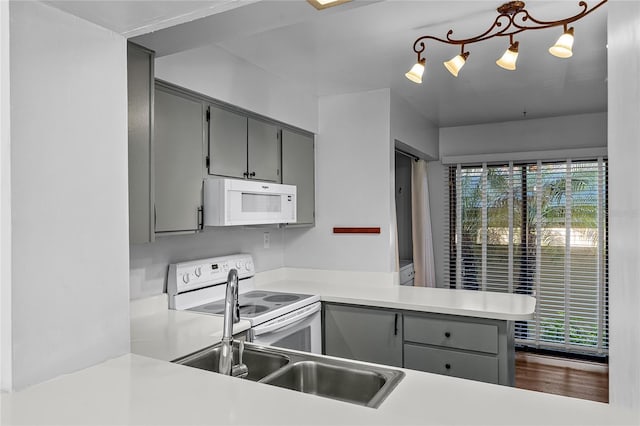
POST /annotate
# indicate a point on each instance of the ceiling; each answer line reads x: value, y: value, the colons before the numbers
x: 366, y: 45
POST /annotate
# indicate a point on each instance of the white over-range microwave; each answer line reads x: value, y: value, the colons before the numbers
x: 230, y: 202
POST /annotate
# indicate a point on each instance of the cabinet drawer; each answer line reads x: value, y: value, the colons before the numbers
x: 451, y: 334
x: 451, y: 363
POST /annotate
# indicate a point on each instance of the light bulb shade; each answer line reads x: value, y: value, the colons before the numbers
x: 564, y: 45
x: 509, y: 58
x: 455, y: 64
x: 416, y: 71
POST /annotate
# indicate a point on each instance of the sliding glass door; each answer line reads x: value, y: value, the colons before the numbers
x: 540, y: 229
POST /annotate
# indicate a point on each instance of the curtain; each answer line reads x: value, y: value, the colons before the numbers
x: 423, y: 261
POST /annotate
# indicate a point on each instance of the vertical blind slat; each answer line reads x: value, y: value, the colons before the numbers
x: 567, y: 255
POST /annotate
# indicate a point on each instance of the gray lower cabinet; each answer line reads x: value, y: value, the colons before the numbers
x: 473, y: 348
x: 140, y: 85
x: 178, y: 161
x: 458, y: 364
x: 364, y: 334
x: 298, y: 169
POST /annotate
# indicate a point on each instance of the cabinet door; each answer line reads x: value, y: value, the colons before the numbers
x: 264, y: 151
x: 298, y: 169
x: 178, y: 145
x: 140, y: 96
x: 364, y: 334
x: 227, y: 143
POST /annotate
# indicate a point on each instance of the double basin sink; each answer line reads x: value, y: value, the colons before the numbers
x: 340, y: 379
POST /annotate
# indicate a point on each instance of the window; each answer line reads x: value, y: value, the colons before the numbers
x: 540, y: 229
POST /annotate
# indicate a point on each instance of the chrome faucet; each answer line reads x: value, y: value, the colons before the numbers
x: 231, y: 316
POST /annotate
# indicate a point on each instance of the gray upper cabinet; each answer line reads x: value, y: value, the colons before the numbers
x: 364, y: 334
x: 243, y: 147
x: 140, y: 102
x: 264, y: 151
x: 178, y: 161
x: 227, y: 143
x: 298, y: 169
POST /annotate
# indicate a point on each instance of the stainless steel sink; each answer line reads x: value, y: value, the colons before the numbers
x: 340, y: 379
x: 259, y: 360
x: 343, y: 381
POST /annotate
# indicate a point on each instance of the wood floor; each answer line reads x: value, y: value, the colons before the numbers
x: 578, y: 379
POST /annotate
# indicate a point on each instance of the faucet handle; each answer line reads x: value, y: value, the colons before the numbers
x: 240, y: 369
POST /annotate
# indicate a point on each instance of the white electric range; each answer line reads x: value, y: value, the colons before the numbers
x: 289, y: 320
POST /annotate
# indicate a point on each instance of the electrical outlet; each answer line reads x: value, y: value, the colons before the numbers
x: 267, y: 240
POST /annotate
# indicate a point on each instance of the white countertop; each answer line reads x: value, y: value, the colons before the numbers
x: 166, y: 334
x: 136, y: 390
x: 357, y: 290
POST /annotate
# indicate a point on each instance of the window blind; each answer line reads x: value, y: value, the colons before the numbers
x: 537, y: 228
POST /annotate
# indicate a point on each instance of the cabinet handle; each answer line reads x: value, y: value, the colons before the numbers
x: 245, y: 174
x: 447, y: 366
x: 447, y: 334
x: 395, y: 325
x: 252, y: 174
x: 200, y: 217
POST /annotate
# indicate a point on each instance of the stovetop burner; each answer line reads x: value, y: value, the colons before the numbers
x: 258, y: 306
x: 254, y: 294
x: 279, y: 298
x: 251, y: 309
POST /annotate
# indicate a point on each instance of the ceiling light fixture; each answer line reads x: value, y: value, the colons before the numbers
x: 416, y: 71
x: 564, y: 45
x: 323, y: 4
x: 455, y: 64
x: 509, y: 57
x: 512, y: 19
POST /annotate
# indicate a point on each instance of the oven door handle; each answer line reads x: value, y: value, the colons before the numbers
x: 287, y: 321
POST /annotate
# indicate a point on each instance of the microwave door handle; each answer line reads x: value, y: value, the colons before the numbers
x: 260, y: 330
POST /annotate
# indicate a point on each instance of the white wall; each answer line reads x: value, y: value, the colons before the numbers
x: 417, y: 135
x: 221, y: 75
x: 149, y: 262
x: 624, y: 203
x: 5, y: 202
x: 70, y: 299
x: 568, y: 132
x: 353, y: 187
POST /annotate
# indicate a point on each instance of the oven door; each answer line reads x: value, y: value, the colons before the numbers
x: 299, y: 330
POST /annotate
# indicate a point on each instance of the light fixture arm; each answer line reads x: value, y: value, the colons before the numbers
x: 513, y: 19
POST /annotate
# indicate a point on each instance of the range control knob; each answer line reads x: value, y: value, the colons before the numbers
x: 185, y: 278
x: 248, y: 266
x: 239, y: 264
x: 198, y: 271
